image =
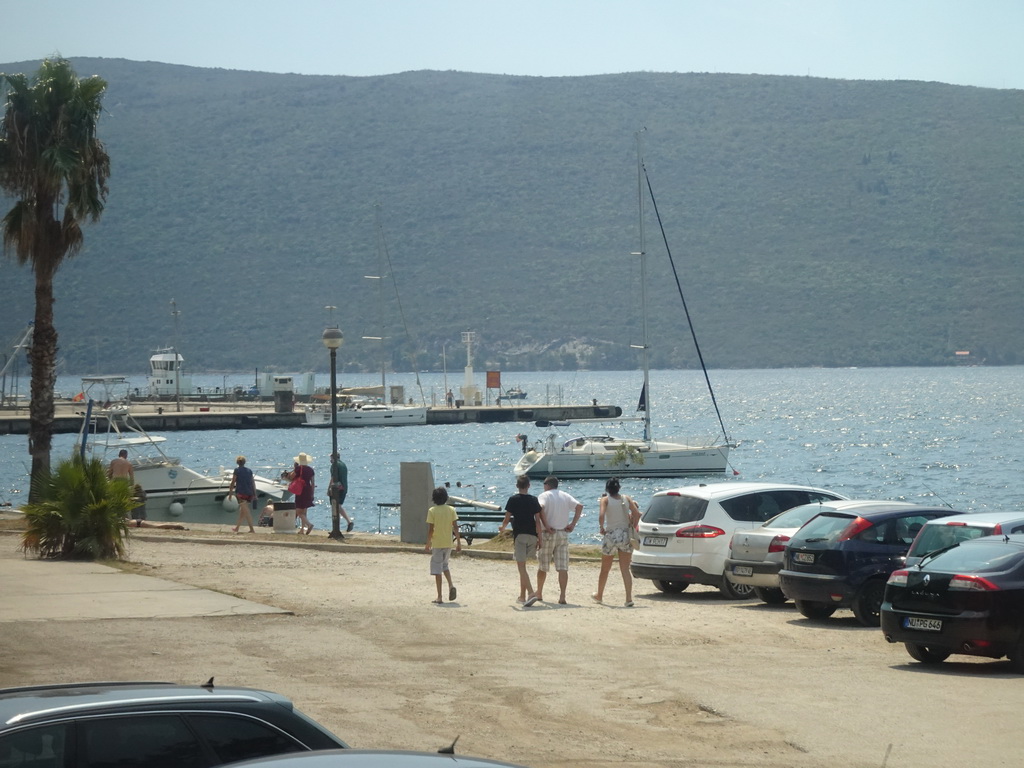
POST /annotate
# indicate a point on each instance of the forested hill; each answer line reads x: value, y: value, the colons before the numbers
x: 812, y: 222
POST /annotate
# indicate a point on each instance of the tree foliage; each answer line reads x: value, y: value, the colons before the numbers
x: 54, y: 166
x: 78, y: 512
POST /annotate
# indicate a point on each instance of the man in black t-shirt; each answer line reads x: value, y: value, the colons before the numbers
x: 523, y: 510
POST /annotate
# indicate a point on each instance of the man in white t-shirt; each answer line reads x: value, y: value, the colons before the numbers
x: 559, y: 514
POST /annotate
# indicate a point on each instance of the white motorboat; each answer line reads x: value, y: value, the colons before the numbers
x: 603, y: 456
x: 174, y: 492
x: 366, y: 415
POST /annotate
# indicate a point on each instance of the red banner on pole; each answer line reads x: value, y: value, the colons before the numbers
x: 494, y: 379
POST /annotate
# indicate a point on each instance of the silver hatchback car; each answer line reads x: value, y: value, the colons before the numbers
x: 947, y: 532
x: 755, y: 555
x: 685, y: 532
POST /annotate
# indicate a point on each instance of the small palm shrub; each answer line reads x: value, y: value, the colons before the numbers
x: 79, y: 513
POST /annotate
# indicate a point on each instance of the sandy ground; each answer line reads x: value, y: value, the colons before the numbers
x: 684, y: 680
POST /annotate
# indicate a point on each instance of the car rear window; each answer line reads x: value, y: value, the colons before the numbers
x: 675, y: 510
x: 794, y: 518
x: 993, y: 555
x: 825, y: 527
x: 939, y: 536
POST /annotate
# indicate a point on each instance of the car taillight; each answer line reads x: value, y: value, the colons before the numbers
x: 859, y: 525
x: 899, y: 578
x: 972, y: 584
x: 699, y: 532
x: 778, y: 544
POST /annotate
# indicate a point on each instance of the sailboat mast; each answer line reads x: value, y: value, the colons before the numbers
x: 645, y: 347
x: 380, y: 307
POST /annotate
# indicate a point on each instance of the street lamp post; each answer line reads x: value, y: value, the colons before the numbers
x: 333, y: 338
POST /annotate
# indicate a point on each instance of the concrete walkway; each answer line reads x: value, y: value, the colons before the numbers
x: 42, y: 590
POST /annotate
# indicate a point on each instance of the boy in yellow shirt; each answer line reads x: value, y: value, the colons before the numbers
x: 442, y: 528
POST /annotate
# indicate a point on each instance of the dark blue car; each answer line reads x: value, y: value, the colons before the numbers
x: 842, y: 557
x: 968, y: 599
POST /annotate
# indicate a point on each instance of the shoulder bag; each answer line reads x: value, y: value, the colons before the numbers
x: 298, y: 485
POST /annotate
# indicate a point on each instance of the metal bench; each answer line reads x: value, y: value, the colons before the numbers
x: 471, y: 517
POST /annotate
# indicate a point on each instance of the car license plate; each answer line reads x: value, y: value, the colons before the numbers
x: 655, y: 541
x: 928, y: 625
x: 803, y: 557
x: 742, y: 570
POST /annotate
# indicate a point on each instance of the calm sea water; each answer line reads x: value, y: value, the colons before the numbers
x: 947, y: 435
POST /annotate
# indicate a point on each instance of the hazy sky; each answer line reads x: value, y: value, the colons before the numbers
x: 967, y: 42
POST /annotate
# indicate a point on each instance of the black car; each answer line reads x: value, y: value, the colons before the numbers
x: 156, y: 725
x: 967, y: 599
x: 842, y: 557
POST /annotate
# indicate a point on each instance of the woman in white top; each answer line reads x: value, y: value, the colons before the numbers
x: 618, y: 517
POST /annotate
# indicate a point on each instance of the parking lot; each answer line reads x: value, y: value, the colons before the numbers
x: 680, y: 680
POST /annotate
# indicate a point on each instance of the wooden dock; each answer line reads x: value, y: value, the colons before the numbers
x: 164, y: 417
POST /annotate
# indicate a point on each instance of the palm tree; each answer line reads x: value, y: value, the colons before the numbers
x: 78, y: 513
x: 56, y: 169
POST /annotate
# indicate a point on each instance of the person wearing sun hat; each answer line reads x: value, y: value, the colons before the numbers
x: 304, y: 497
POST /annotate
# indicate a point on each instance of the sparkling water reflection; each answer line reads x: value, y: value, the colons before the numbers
x: 948, y: 435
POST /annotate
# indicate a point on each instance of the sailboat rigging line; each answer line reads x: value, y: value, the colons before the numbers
x: 686, y: 309
x: 401, y: 309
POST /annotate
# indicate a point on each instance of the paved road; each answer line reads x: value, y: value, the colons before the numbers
x: 41, y: 590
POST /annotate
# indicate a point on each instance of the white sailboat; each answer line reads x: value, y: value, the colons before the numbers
x: 384, y: 412
x: 603, y: 456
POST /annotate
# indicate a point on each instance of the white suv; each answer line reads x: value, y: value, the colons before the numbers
x: 685, y: 532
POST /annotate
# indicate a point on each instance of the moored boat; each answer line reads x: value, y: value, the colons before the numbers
x: 174, y: 492
x: 366, y: 415
x: 602, y: 456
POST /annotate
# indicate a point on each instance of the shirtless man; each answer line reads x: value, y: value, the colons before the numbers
x: 121, y: 468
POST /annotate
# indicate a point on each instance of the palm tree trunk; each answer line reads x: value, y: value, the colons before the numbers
x: 44, y: 376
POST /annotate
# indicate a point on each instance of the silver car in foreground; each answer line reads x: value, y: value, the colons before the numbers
x: 385, y: 758
x: 947, y: 532
x: 755, y: 555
